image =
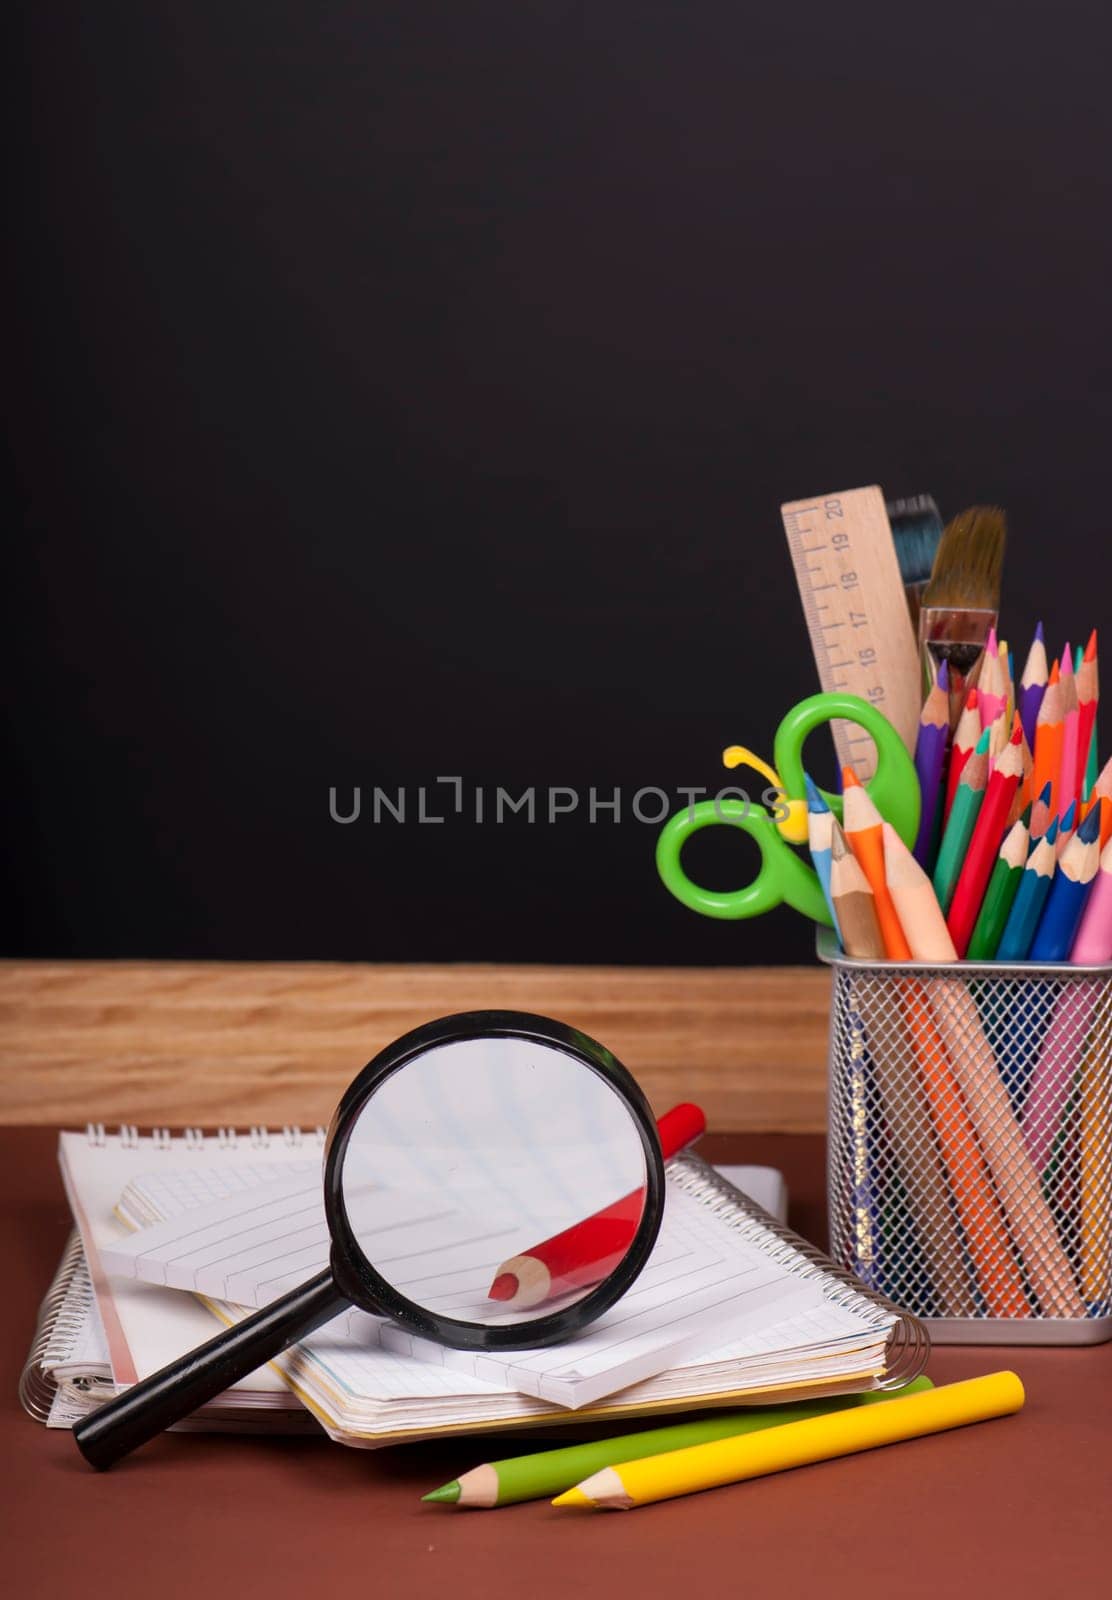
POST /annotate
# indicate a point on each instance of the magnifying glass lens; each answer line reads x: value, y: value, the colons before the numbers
x: 494, y: 1180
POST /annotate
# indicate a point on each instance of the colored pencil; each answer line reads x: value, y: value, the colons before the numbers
x: 984, y: 844
x: 1007, y: 679
x: 1057, y: 1068
x: 930, y: 758
x: 965, y: 742
x: 586, y: 1252
x: 1101, y: 795
x: 1071, y: 718
x: 997, y: 1273
x: 819, y: 821
x: 1093, y: 943
x: 1092, y: 767
x: 1001, y: 892
x: 710, y: 1466
x: 1032, y: 685
x: 1060, y: 1059
x: 902, y: 1104
x: 865, y: 836
x: 1067, y: 827
x: 1027, y: 908
x: 1016, y: 1179
x: 1049, y: 733
x: 1061, y: 916
x: 544, y: 1473
x: 963, y: 819
x: 990, y: 684
x: 854, y: 907
x: 1088, y: 694
x: 1095, y: 1163
x: 1040, y: 814
x: 1024, y: 795
x: 998, y: 736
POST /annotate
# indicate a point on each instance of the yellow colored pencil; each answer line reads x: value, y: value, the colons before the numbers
x: 842, y: 1433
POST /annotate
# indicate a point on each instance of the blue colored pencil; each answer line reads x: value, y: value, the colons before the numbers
x: 1031, y: 896
x: 1066, y: 901
x: 819, y: 827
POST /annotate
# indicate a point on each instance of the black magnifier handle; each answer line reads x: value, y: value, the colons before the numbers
x: 151, y: 1406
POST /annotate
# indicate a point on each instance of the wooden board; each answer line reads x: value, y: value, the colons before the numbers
x: 217, y: 1044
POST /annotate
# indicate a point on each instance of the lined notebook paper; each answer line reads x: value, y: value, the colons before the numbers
x: 252, y: 1245
x: 839, y: 1340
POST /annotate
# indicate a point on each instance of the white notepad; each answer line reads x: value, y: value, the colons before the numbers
x: 249, y: 1247
x: 367, y: 1396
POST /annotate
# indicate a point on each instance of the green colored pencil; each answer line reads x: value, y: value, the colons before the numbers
x: 539, y: 1477
x: 962, y: 820
x: 1001, y: 891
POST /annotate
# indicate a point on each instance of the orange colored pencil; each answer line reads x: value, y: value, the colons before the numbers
x: 1105, y: 804
x: 993, y: 1261
x: 1088, y: 693
x: 864, y: 830
x: 985, y: 843
x: 965, y: 742
x: 1049, y: 733
x: 978, y: 1208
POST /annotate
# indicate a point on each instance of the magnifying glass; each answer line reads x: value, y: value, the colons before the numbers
x: 492, y: 1180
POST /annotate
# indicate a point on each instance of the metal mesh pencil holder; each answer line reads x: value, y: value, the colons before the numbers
x: 969, y: 1166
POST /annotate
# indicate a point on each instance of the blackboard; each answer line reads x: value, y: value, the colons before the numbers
x: 408, y: 392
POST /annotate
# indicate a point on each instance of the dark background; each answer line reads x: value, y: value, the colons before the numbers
x: 405, y: 390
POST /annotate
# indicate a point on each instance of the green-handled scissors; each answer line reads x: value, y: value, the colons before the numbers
x: 784, y: 876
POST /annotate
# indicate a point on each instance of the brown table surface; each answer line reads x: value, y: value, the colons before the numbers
x: 1021, y: 1506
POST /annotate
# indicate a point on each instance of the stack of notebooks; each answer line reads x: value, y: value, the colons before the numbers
x: 172, y: 1233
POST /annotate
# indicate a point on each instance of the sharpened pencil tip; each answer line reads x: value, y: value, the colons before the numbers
x: 815, y: 801
x: 850, y: 780
x: 944, y: 674
x: 572, y: 1497
x: 1039, y: 634
x: 446, y: 1495
x: 1090, y: 828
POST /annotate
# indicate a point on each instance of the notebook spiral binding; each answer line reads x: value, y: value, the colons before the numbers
x: 36, y: 1387
x: 908, y: 1341
x: 257, y: 1137
x: 57, y: 1326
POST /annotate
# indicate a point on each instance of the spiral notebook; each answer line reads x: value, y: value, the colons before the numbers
x: 830, y: 1338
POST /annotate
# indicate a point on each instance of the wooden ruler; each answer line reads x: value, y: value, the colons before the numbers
x: 856, y: 610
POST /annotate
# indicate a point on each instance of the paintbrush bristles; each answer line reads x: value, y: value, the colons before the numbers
x: 970, y: 559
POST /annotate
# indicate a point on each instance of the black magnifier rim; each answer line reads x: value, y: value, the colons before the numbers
x: 364, y: 1286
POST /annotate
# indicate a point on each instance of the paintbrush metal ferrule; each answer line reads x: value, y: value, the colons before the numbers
x: 958, y: 638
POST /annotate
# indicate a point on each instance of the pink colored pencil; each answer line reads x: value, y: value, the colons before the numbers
x: 990, y: 686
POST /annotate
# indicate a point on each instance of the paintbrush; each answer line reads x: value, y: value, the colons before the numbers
x: 916, y: 530
x: 962, y: 599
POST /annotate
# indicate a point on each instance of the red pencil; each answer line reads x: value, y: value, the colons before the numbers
x: 985, y: 844
x: 589, y: 1250
x: 965, y: 742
